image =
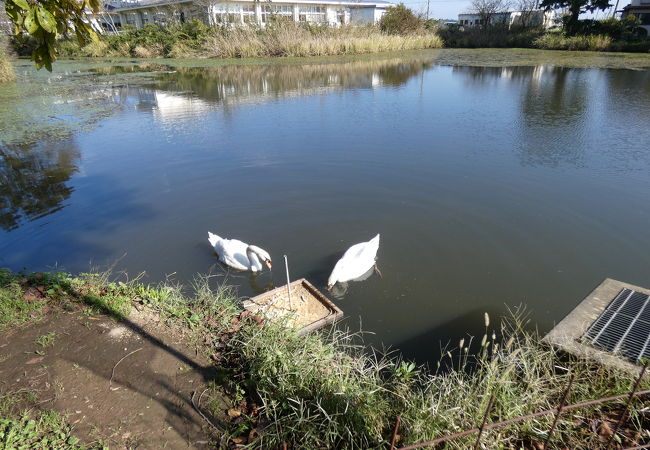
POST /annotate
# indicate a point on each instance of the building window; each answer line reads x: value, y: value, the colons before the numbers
x: 225, y: 13
x: 276, y: 12
x: 311, y: 14
x: 248, y: 12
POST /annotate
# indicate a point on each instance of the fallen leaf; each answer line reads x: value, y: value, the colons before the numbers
x: 234, y: 320
x: 234, y: 412
x: 605, y: 429
x: 239, y: 440
x: 35, y: 360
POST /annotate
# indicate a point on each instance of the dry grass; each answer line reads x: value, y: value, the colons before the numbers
x: 290, y: 39
x: 280, y: 39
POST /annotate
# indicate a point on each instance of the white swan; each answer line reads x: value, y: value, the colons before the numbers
x: 356, y: 261
x: 238, y: 254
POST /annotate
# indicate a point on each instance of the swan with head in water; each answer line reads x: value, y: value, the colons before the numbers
x: 239, y: 255
x: 356, y: 261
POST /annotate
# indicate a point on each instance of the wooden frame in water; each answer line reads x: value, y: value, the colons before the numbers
x: 306, y: 308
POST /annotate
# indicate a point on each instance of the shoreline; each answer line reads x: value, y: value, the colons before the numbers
x: 326, y: 389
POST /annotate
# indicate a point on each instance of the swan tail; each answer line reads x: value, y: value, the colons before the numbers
x: 213, y: 238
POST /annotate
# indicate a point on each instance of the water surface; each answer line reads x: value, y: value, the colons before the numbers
x: 495, y: 178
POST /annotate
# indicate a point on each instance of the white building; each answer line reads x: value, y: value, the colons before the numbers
x: 213, y: 12
x: 640, y: 9
x: 534, y: 18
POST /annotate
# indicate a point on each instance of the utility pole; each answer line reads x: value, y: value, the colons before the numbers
x: 429, y: 1
x: 615, y: 8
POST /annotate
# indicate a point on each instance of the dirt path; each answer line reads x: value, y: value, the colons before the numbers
x: 128, y: 383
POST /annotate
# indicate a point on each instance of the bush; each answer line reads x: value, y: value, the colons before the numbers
x: 400, y: 20
x: 559, y: 41
x: 491, y: 37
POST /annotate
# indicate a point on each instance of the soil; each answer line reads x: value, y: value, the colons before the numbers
x: 130, y: 383
x: 303, y: 309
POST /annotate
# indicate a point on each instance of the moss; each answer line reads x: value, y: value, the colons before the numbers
x: 6, y: 68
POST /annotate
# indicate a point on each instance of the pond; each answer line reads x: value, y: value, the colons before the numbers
x: 496, y: 178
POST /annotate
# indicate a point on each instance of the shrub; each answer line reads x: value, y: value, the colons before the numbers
x: 491, y: 37
x: 400, y: 20
x: 559, y: 41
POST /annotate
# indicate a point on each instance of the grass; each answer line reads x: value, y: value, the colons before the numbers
x: 558, y: 41
x: 32, y: 429
x: 327, y: 390
x: 280, y: 39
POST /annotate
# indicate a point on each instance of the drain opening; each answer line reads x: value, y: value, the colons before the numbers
x: 623, y: 327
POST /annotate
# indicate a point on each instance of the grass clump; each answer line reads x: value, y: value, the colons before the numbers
x: 32, y: 429
x: 323, y: 391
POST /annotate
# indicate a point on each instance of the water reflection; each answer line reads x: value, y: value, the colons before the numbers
x: 229, y: 86
x: 33, y: 180
x: 341, y: 288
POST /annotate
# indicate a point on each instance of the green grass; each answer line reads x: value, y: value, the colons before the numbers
x: 327, y: 390
x: 22, y: 428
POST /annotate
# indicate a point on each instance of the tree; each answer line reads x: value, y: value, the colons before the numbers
x: 44, y: 20
x: 575, y: 8
x: 486, y: 9
x: 526, y: 10
x: 400, y: 20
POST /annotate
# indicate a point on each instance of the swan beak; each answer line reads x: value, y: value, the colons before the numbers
x: 268, y: 264
x: 330, y: 287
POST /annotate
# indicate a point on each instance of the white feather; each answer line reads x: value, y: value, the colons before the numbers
x: 356, y: 261
x: 237, y: 254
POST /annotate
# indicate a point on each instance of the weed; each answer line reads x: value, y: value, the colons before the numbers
x: 46, y: 340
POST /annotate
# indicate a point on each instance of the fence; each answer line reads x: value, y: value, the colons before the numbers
x: 561, y: 407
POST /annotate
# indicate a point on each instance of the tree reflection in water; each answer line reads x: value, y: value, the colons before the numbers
x: 33, y: 179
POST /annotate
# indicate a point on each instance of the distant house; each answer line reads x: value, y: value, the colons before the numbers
x: 640, y: 9
x: 212, y: 12
x: 534, y: 18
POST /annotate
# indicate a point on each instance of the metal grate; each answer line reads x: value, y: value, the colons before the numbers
x: 624, y: 326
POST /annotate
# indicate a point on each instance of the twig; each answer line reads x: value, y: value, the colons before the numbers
x: 123, y: 358
x: 201, y: 412
x: 559, y: 411
x: 485, y: 417
x: 394, y: 437
x: 627, y: 405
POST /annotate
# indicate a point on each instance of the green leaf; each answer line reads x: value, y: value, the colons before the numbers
x: 46, y: 19
x: 22, y: 4
x: 30, y: 23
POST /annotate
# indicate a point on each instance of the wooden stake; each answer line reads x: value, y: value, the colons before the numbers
x: 286, y: 266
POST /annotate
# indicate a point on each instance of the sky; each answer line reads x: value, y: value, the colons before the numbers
x: 449, y: 9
